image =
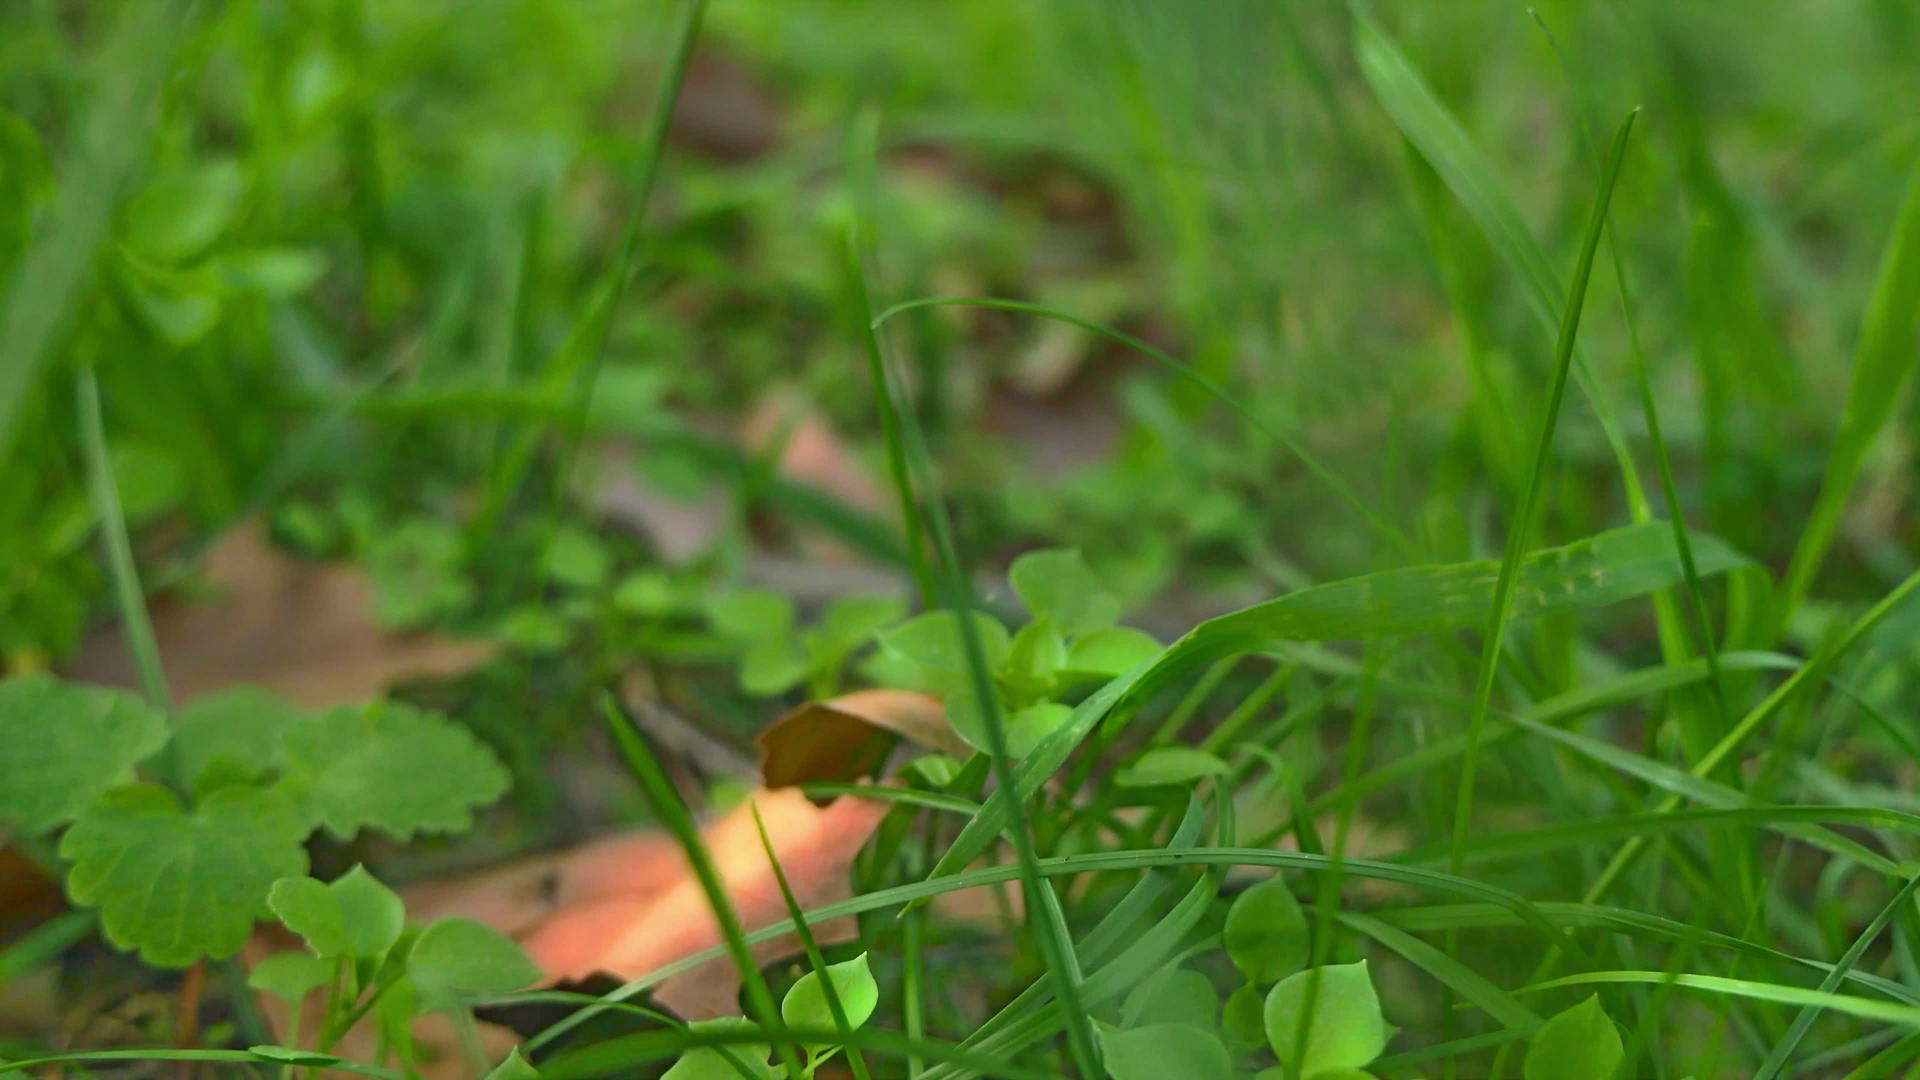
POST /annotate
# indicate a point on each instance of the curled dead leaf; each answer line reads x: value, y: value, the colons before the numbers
x: 847, y: 737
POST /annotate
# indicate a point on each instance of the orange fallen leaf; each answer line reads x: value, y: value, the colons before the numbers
x: 302, y: 629
x: 847, y: 737
x: 628, y: 905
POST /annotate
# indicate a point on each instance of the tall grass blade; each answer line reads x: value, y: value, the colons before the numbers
x: 1883, y: 358
x: 127, y: 593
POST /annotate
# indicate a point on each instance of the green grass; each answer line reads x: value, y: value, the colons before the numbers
x: 1354, y: 420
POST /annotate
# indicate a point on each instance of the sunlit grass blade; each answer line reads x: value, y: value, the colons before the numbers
x: 1520, y: 528
x: 1471, y: 986
x: 815, y: 959
x: 678, y: 822
x: 1884, y: 357
x: 1865, y: 1008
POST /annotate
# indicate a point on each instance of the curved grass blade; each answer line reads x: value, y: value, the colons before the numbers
x: 1865, y: 1008
x: 619, y: 1056
x: 1490, y: 999
x: 815, y: 959
x: 1777, y: 1058
x: 674, y: 816
x: 1519, y: 531
x: 1599, y: 570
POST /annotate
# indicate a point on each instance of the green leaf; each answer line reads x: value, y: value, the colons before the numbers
x: 391, y: 767
x: 354, y: 916
x: 772, y: 665
x: 179, y: 886
x: 241, y: 726
x: 1027, y: 727
x: 750, y: 614
x: 806, y: 1003
x: 1266, y: 932
x: 1168, y: 765
x: 1346, y: 1029
x: 180, y: 213
x: 1578, y: 1044
x: 1243, y: 1018
x: 1036, y: 655
x: 1110, y: 651
x: 932, y: 642
x: 455, y: 956
x: 1056, y: 584
x: 1172, y: 995
x: 513, y: 1067
x: 712, y: 1062
x: 850, y: 621
x: 1165, y: 1051
x: 577, y: 558
x: 290, y: 975
x: 63, y: 744
x: 647, y: 592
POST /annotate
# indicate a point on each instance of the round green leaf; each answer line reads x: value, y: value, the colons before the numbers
x: 1266, y: 932
x: 1169, y: 765
x: 750, y: 614
x: 1578, y: 1044
x: 806, y: 1003
x: 1346, y: 1029
x: 462, y: 956
x: 1163, y: 1052
x: 1242, y: 1018
x: 307, y: 908
x: 391, y: 767
x: 711, y: 1062
x: 1109, y: 652
x: 66, y: 743
x: 578, y: 559
x: 1027, y: 727
x: 932, y: 642
x: 354, y: 916
x: 290, y: 975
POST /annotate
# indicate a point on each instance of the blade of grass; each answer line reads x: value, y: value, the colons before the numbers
x: 1883, y: 359
x: 674, y: 816
x: 1520, y: 529
x: 128, y: 596
x: 39, y: 299
x: 1777, y: 1059
x: 815, y: 958
x: 1864, y: 1008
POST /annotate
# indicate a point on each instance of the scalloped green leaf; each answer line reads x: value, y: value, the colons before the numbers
x: 290, y: 975
x: 175, y: 885
x: 241, y: 727
x: 391, y: 767
x: 63, y: 744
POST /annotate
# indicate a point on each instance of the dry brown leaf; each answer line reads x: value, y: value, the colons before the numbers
x: 302, y: 629
x: 629, y: 904
x: 847, y: 737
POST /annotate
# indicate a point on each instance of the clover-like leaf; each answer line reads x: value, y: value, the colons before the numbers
x: 1345, y: 1030
x: 456, y: 955
x: 175, y: 885
x: 240, y: 727
x: 1165, y: 1051
x: 1266, y: 932
x: 1056, y: 584
x: 750, y: 614
x: 806, y: 1003
x: 290, y: 975
x: 578, y: 558
x: 1578, y: 1044
x: 63, y: 744
x: 354, y: 916
x: 1027, y: 727
x: 391, y: 767
x: 933, y: 642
